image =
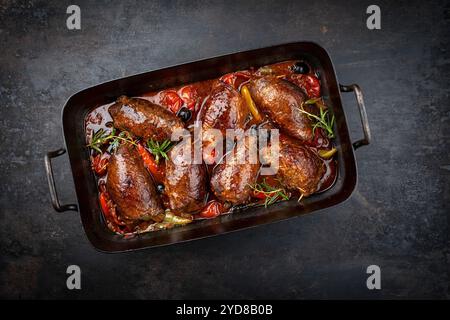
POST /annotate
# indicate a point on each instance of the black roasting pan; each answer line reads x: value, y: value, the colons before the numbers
x: 81, y: 103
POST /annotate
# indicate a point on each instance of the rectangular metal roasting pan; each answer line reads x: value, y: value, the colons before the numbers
x: 78, y: 105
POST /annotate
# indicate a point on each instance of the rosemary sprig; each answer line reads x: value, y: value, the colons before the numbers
x: 159, y: 150
x: 323, y: 120
x: 124, y: 136
x: 271, y: 194
x: 101, y: 137
x: 312, y: 101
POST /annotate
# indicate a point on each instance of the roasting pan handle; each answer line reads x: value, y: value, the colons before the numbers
x: 51, y: 182
x: 362, y: 112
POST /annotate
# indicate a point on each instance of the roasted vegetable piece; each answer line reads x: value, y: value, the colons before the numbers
x: 150, y: 163
x: 308, y: 82
x: 185, y: 184
x: 213, y: 209
x: 99, y: 163
x: 281, y: 101
x: 171, y: 220
x: 326, y: 154
x: 110, y: 214
x: 299, y: 168
x: 235, y: 79
x: 250, y: 103
x: 103, y: 198
x: 171, y: 100
x: 131, y: 188
x: 176, y: 220
x: 189, y: 95
x: 144, y: 119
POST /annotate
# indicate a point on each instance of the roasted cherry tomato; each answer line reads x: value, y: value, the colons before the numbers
x: 213, y: 209
x: 228, y: 79
x: 189, y: 95
x: 307, y: 82
x: 259, y: 195
x: 235, y: 79
x: 172, y: 101
x: 99, y: 164
x: 319, y: 140
x: 150, y: 163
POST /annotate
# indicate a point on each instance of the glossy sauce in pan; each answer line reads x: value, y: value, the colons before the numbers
x: 193, y: 97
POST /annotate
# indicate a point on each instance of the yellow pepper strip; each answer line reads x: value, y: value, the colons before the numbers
x: 327, y: 154
x: 250, y: 103
x: 177, y: 220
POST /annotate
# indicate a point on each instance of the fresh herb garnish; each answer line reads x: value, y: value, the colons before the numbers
x: 124, y: 136
x: 271, y: 194
x: 101, y: 137
x: 323, y: 120
x: 311, y: 101
x: 159, y: 150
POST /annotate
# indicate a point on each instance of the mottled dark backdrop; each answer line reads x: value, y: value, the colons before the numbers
x: 398, y: 218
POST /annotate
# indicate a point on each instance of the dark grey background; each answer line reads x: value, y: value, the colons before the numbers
x: 398, y: 218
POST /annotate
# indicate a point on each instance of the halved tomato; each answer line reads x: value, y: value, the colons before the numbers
x: 213, y: 209
x: 189, y: 95
x: 150, y: 163
x: 235, y: 79
x: 171, y: 100
x: 99, y: 163
x: 307, y: 82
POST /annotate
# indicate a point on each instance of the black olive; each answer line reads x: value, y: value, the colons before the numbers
x: 300, y: 67
x: 160, y: 187
x: 184, y: 114
x: 253, y: 129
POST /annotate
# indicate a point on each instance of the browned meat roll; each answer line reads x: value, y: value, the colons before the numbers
x: 299, y: 168
x: 224, y: 109
x: 231, y: 178
x: 131, y: 188
x: 281, y: 100
x: 185, y: 183
x: 144, y: 119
